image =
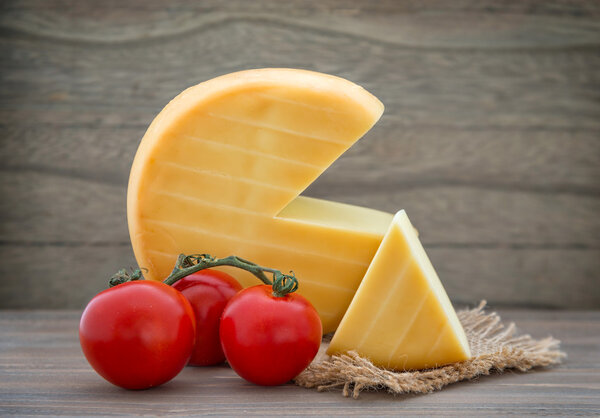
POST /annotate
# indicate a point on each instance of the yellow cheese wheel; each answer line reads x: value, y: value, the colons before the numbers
x: 221, y: 168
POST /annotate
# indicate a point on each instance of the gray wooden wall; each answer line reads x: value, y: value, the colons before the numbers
x: 490, y: 139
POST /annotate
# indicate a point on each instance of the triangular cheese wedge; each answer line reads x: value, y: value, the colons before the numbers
x: 220, y: 169
x: 401, y: 317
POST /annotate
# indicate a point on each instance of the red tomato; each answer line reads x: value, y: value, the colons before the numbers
x: 208, y: 292
x: 269, y: 340
x: 138, y: 334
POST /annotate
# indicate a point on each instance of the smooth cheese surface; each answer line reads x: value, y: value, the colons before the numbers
x: 401, y: 317
x: 220, y: 171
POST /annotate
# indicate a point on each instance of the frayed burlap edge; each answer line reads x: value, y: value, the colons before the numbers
x: 494, y: 348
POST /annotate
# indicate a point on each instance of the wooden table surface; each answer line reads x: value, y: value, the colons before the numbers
x: 44, y: 372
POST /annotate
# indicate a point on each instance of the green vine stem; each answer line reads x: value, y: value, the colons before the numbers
x: 123, y: 276
x: 187, y: 264
x: 282, y: 284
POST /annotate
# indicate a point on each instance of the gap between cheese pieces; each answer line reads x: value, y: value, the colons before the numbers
x: 401, y: 317
x: 221, y: 168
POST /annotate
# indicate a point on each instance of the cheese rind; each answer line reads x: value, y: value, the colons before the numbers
x: 220, y: 171
x: 401, y: 317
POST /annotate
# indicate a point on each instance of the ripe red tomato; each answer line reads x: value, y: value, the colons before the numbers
x: 208, y: 292
x: 269, y: 340
x: 138, y: 334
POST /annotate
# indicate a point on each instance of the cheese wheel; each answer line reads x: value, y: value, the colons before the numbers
x: 220, y: 171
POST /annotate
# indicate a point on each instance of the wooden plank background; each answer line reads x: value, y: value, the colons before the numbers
x: 490, y: 139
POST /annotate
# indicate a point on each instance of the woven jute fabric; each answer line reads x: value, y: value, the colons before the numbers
x: 494, y: 348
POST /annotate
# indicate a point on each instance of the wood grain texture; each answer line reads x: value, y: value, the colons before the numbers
x: 521, y: 276
x: 44, y: 372
x: 490, y: 139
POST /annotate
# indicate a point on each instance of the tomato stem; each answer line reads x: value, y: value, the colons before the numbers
x: 187, y: 264
x: 123, y: 276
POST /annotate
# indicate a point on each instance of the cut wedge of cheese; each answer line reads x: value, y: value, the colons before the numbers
x: 221, y: 168
x: 401, y: 317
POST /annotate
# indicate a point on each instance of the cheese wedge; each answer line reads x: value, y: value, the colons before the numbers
x: 220, y: 170
x: 401, y: 317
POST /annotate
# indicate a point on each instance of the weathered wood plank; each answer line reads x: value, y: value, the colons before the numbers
x: 67, y: 276
x: 520, y: 276
x: 538, y: 161
x: 58, y: 276
x: 154, y: 9
x: 48, y: 207
x: 447, y: 214
x: 44, y: 372
x: 61, y: 209
x: 462, y: 87
x: 465, y: 24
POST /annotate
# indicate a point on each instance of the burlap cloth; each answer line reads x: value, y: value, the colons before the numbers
x: 494, y: 347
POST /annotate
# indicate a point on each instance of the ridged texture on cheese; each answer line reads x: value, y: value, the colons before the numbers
x: 220, y: 169
x: 401, y: 317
